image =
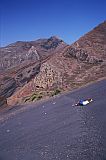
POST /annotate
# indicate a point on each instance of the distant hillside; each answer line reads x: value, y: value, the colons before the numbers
x: 26, y: 52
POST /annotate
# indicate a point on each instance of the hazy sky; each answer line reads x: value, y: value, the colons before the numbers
x: 34, y: 19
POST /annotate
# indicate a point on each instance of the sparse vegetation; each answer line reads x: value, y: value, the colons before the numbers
x: 33, y: 97
x: 39, y: 95
x: 55, y: 92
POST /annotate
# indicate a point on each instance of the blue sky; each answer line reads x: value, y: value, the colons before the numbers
x: 25, y: 20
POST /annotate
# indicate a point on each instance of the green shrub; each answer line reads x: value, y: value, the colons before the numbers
x: 33, y: 97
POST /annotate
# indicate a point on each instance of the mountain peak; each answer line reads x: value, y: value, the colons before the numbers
x: 54, y: 37
x: 101, y: 26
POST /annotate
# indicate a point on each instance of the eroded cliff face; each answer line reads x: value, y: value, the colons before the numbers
x: 83, y: 55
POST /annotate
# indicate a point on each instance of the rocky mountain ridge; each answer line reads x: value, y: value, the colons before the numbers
x: 20, y: 52
x: 69, y: 67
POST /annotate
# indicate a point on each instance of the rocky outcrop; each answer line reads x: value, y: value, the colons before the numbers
x: 33, y: 53
x: 49, y: 77
x: 82, y: 55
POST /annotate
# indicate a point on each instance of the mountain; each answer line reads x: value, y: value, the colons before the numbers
x: 20, y: 52
x: 69, y: 67
x: 21, y: 61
